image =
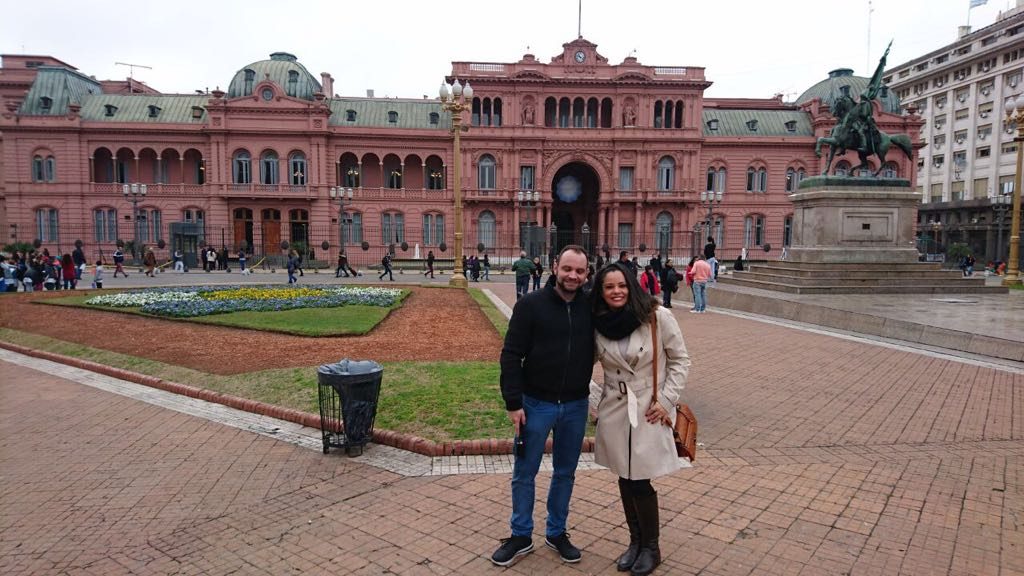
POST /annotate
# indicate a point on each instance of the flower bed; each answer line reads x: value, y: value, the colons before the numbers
x: 206, y: 300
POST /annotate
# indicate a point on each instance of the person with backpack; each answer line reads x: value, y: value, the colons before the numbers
x: 386, y: 263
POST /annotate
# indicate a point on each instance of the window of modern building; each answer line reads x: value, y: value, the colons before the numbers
x: 959, y: 159
x: 962, y: 95
x: 626, y: 178
x: 625, y: 234
x: 1012, y: 79
x: 940, y: 101
x: 984, y: 132
x: 983, y: 152
x: 433, y: 229
x: 47, y: 224
x: 956, y: 190
x: 392, y: 117
x: 939, y: 141
x: 350, y: 115
x: 980, y: 188
x: 938, y: 160
x: 487, y: 229
x: 269, y: 168
x: 985, y: 109
x: 297, y: 169
x: 753, y: 230
x: 1008, y: 148
x: 486, y: 172
x: 104, y: 224
x: 241, y: 168
x: 940, y: 121
x: 1006, y: 184
x: 526, y: 177
x: 936, y: 192
x: 666, y: 173
x: 353, y: 233
x: 960, y: 136
x: 962, y: 114
x: 392, y: 228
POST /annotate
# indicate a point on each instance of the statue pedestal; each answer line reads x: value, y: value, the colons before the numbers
x: 846, y: 220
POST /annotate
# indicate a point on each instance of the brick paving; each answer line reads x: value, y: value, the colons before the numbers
x: 821, y: 455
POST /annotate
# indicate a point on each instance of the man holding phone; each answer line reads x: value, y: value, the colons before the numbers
x: 546, y: 364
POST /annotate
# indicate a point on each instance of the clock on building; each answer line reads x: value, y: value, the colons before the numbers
x: 580, y: 56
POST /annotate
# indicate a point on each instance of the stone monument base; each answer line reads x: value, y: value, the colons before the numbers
x: 842, y: 220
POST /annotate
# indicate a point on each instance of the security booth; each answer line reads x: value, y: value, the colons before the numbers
x: 185, y: 236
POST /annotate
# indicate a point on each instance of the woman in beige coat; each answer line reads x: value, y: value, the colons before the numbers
x: 634, y: 435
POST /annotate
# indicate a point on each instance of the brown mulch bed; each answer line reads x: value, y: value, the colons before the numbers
x: 432, y: 324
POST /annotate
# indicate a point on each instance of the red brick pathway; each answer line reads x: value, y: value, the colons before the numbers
x: 823, y: 456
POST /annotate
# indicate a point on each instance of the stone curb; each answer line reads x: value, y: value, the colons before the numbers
x: 415, y: 444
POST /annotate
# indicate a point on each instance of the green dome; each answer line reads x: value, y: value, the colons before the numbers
x: 282, y: 69
x: 833, y: 86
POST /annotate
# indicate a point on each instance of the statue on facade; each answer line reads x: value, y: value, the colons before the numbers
x: 856, y: 128
x: 629, y: 116
x: 528, y: 114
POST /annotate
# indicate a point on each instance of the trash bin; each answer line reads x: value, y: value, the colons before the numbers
x: 348, y: 394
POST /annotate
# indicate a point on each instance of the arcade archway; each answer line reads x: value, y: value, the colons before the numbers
x: 574, y: 214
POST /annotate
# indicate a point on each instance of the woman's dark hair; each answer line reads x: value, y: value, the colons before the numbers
x: 640, y: 303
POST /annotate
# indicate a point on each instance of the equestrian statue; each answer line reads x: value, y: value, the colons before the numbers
x: 856, y: 129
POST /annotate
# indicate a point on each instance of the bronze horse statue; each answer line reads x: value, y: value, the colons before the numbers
x: 843, y: 138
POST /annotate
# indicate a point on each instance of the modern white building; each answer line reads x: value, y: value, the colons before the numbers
x: 970, y: 155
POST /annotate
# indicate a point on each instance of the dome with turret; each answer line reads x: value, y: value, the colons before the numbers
x: 282, y: 69
x: 843, y: 80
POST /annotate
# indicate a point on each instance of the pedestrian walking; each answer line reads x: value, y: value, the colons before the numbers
x: 242, y: 258
x: 179, y: 262
x: 523, y: 269
x: 97, y: 275
x: 538, y: 271
x: 430, y: 264
x: 709, y: 257
x: 669, y: 283
x: 292, y: 264
x: 119, y: 262
x: 487, y: 267
x: 702, y: 274
x: 150, y: 261
x: 546, y: 363
x: 385, y: 263
x: 78, y: 259
x: 634, y: 435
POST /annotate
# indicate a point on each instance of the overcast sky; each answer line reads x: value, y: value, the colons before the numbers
x: 403, y: 48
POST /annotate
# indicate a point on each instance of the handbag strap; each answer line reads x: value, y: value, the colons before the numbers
x: 654, y: 343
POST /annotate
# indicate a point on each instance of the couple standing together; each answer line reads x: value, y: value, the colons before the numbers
x: 553, y: 339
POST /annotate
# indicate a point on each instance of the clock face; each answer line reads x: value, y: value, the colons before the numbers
x: 581, y: 56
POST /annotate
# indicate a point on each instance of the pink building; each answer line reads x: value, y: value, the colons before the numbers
x: 618, y: 155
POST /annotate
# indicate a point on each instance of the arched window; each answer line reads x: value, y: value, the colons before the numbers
x: 293, y: 83
x: 47, y: 224
x: 753, y: 230
x: 392, y: 228
x: 474, y: 117
x: 433, y: 229
x: 297, y: 169
x: 250, y: 76
x: 38, y: 173
x: 268, y: 168
x: 787, y: 230
x: 496, y: 113
x: 563, y: 113
x: 658, y: 111
x: 395, y: 178
x: 663, y: 232
x: 679, y: 114
x: 790, y: 180
x: 578, y: 110
x: 241, y: 168
x: 485, y: 117
x: 757, y: 179
x: 486, y: 172
x: 666, y: 173
x: 104, y: 224
x: 720, y: 183
x: 550, y: 112
x: 486, y: 229
x: 715, y: 180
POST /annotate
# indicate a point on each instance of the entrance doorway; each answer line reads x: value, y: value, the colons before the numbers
x: 575, y: 191
x: 271, y: 225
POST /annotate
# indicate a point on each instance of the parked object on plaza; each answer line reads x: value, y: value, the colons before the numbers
x: 348, y: 395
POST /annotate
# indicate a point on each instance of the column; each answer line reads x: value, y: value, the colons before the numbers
x: 92, y: 170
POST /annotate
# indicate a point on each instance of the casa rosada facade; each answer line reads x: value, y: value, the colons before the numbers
x: 613, y: 156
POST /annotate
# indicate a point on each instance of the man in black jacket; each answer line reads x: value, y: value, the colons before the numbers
x: 546, y: 365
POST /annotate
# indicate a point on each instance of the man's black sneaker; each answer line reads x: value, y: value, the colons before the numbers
x: 566, y: 550
x: 512, y: 548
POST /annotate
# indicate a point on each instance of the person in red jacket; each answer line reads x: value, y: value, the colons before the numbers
x: 649, y: 281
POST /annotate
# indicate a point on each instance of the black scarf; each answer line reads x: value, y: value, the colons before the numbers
x: 616, y: 324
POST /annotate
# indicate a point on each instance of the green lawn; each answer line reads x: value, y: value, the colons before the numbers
x: 487, y: 307
x: 340, y: 321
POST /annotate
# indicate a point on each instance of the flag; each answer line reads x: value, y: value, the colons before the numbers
x: 976, y: 3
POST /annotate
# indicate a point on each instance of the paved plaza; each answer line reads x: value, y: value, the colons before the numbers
x: 821, y: 454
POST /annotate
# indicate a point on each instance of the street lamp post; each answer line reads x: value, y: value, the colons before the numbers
x: 134, y: 192
x: 1015, y: 113
x: 344, y: 197
x: 1001, y: 204
x: 528, y: 200
x: 457, y: 99
x: 709, y: 200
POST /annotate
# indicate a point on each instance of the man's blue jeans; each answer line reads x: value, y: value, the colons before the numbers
x: 569, y: 422
x: 522, y: 285
x: 700, y: 297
